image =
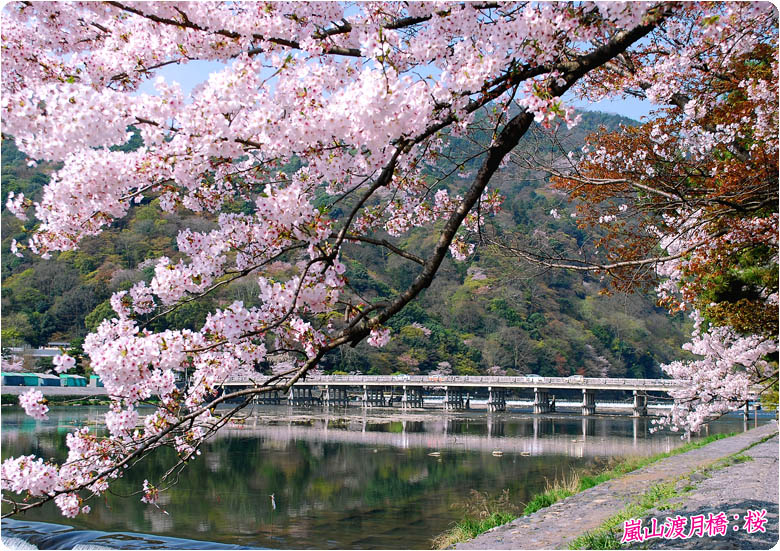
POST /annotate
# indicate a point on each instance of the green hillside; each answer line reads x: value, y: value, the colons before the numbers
x: 491, y: 314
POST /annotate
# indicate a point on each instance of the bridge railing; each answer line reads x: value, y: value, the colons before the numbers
x: 491, y: 379
x: 481, y: 380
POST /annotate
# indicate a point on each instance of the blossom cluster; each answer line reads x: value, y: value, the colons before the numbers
x: 732, y: 364
x: 63, y: 363
x: 321, y: 120
x: 34, y: 404
x: 12, y: 364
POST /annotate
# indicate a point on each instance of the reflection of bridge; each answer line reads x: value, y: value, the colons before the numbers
x: 458, y: 390
x: 543, y: 441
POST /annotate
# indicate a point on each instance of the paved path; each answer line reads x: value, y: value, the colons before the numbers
x: 555, y: 526
x: 752, y: 485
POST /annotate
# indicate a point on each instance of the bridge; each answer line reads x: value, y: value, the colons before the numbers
x: 334, y: 390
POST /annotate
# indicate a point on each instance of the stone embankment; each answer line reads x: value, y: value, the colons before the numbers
x: 750, y: 485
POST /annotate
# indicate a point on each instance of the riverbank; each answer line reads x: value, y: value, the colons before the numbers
x: 557, y: 526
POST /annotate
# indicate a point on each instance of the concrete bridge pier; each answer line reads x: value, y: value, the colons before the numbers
x: 496, y: 399
x: 259, y: 398
x: 373, y: 397
x: 336, y: 396
x: 300, y: 396
x: 460, y: 400
x: 542, y: 402
x: 268, y: 398
x: 588, y: 401
x: 453, y: 400
x: 379, y: 397
x: 640, y: 404
x: 412, y: 397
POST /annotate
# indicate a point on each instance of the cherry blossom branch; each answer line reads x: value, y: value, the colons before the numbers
x: 186, y: 23
x: 507, y: 140
x: 385, y: 243
x: 384, y: 117
x: 233, y: 277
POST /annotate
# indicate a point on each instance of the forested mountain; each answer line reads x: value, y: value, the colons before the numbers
x: 490, y: 314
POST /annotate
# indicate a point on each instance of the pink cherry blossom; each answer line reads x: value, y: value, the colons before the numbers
x: 323, y: 121
x: 379, y: 337
x: 63, y: 363
x: 69, y: 504
x: 12, y: 364
x: 34, y: 404
x: 30, y: 474
x: 16, y: 204
x: 151, y: 493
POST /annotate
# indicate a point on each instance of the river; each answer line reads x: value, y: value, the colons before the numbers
x: 345, y: 479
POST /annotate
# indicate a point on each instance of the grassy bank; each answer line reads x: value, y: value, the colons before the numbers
x: 490, y: 514
x: 482, y: 514
x: 607, y: 536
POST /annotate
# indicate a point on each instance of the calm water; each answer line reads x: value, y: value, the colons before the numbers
x: 346, y: 479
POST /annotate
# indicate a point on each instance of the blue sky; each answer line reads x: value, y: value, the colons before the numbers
x: 193, y: 73
x: 629, y: 107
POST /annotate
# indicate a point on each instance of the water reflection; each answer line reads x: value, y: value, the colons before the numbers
x: 525, y: 435
x: 343, y: 479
